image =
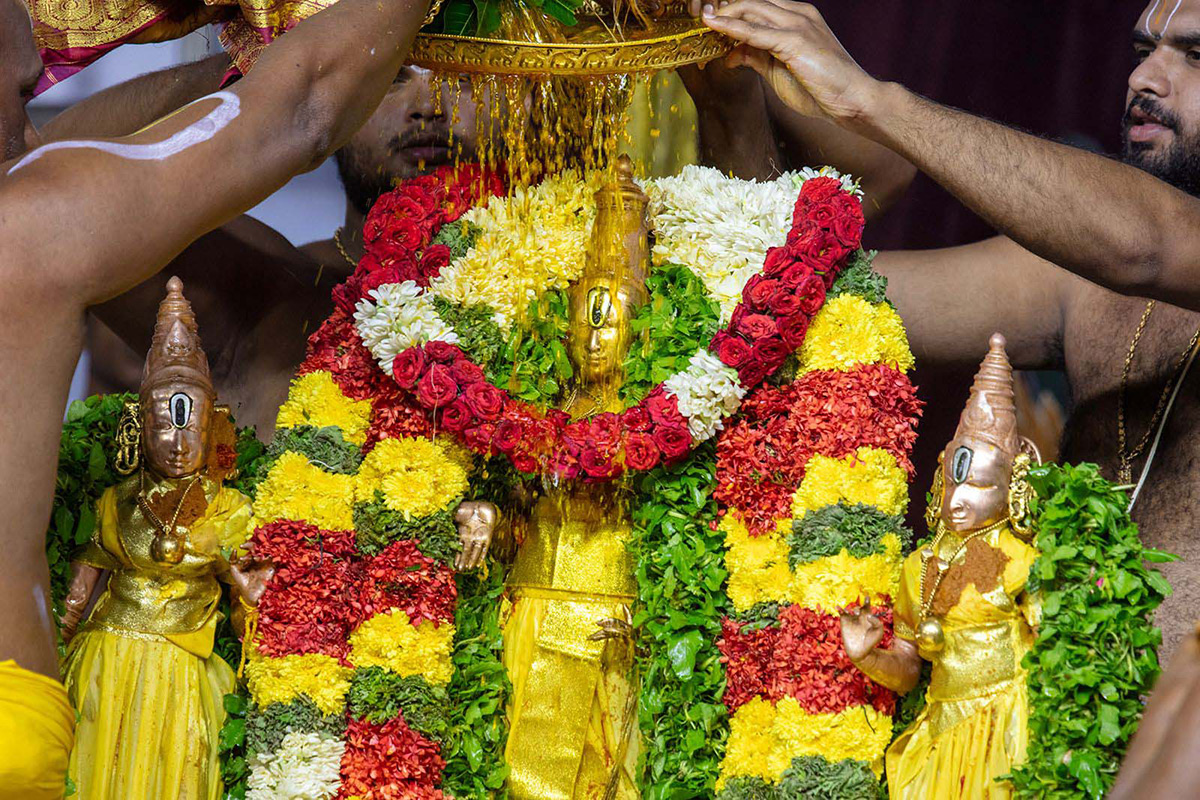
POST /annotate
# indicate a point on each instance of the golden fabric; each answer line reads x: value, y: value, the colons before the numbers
x: 141, y: 671
x: 36, y: 731
x: 975, y: 726
x: 572, y: 713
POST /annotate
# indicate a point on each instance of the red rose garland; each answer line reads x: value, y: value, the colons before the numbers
x: 767, y: 326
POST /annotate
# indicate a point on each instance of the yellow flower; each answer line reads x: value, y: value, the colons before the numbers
x: 416, y: 476
x: 765, y: 737
x: 315, y: 399
x: 532, y: 241
x: 759, y: 572
x: 280, y: 680
x: 392, y: 642
x: 296, y: 489
x: 869, y: 476
x: 848, y: 332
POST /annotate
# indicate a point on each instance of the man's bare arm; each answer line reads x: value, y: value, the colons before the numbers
x: 731, y: 117
x: 1106, y: 221
x: 91, y: 239
x: 953, y: 299
x: 132, y: 105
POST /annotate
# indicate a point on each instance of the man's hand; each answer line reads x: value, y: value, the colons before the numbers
x: 790, y: 45
x: 861, y: 633
x: 476, y: 522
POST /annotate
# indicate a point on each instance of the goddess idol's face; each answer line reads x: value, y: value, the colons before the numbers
x: 175, y: 428
x: 975, y: 478
x: 598, y: 341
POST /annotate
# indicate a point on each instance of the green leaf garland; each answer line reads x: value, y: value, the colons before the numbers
x: 858, y: 529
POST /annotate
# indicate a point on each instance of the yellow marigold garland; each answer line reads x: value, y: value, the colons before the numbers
x: 869, y: 475
x: 280, y: 680
x: 297, y: 489
x: 849, y: 332
x: 416, y: 476
x: 314, y: 399
x: 392, y: 642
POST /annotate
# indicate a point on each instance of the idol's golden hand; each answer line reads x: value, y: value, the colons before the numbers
x: 790, y: 45
x: 476, y: 520
x: 615, y: 628
x: 861, y: 633
x: 897, y: 668
x: 83, y: 583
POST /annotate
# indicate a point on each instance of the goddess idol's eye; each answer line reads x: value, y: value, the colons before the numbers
x: 599, y: 305
x: 961, y: 464
x: 180, y: 406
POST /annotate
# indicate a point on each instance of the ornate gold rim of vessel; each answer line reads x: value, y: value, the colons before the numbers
x: 691, y: 44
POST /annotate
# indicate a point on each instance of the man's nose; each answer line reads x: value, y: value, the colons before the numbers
x: 1151, y: 77
x: 424, y: 105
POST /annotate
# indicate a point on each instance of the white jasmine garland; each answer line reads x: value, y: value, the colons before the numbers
x: 307, y: 766
x: 707, y: 392
x: 401, y: 316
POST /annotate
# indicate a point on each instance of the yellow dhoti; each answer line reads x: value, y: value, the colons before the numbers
x: 35, y: 735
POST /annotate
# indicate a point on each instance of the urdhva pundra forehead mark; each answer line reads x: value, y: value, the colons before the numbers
x: 1158, y: 18
x: 198, y: 132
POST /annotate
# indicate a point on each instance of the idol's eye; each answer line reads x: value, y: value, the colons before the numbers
x: 961, y: 464
x: 599, y: 305
x: 180, y: 406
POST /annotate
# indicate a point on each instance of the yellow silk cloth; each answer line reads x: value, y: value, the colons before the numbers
x: 35, y: 735
x: 975, y: 725
x: 141, y: 672
x: 572, y: 714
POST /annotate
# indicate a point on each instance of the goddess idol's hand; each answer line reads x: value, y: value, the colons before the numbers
x: 476, y: 522
x: 861, y: 633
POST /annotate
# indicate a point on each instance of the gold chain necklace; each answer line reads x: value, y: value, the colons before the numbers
x: 929, y: 552
x: 149, y: 512
x: 1125, y: 458
x: 337, y: 240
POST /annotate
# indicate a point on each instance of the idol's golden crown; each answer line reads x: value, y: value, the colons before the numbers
x: 175, y: 355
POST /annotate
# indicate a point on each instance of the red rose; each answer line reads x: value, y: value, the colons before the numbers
x: 433, y: 260
x: 778, y: 259
x: 466, y: 372
x: 457, y: 417
x: 759, y: 292
x: 663, y: 410
x: 406, y: 234
x: 524, y: 462
x: 823, y: 214
x: 408, y: 366
x: 752, y: 373
x: 739, y: 313
x: 564, y: 464
x: 784, y: 305
x: 771, y: 351
x: 848, y: 231
x: 437, y: 388
x: 346, y: 295
x: 605, y: 429
x: 732, y: 350
x: 817, y: 190
x: 793, y: 329
x: 479, y: 437
x: 508, y: 434
x: 485, y: 400
x: 597, y: 462
x: 640, y: 451
x: 815, y: 250
x: 410, y: 207
x: 424, y: 197
x: 442, y: 351
x: 756, y: 326
x: 811, y: 294
x: 635, y: 419
x: 390, y: 274
x: 794, y: 275
x: 673, y: 440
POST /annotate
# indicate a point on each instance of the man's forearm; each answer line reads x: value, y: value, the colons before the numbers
x: 735, y: 132
x: 130, y: 106
x: 1106, y: 221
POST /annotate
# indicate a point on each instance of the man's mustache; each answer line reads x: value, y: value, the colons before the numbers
x: 429, y: 136
x: 1152, y: 107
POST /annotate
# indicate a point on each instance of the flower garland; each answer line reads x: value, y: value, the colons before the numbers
x: 814, y: 475
x: 687, y: 408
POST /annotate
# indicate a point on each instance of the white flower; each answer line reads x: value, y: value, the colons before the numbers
x: 307, y: 766
x: 707, y: 392
x: 720, y: 227
x: 401, y: 317
x: 808, y: 173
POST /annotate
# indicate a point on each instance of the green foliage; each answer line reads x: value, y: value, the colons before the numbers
x: 810, y: 778
x: 758, y: 616
x: 459, y: 236
x: 856, y: 528
x: 533, y: 364
x: 478, y: 334
x: 378, y: 695
x: 1095, y: 655
x: 376, y: 526
x: 252, y: 462
x: 264, y: 728
x: 324, y: 447
x: 859, y: 278
x: 681, y: 600
x: 84, y: 472
x: 678, y: 319
x: 478, y: 690
x: 231, y: 743
x: 495, y: 480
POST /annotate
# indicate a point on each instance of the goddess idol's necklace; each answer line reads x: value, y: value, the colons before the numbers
x: 930, y: 635
x: 168, y: 544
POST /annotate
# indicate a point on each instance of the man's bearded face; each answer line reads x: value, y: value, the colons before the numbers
x: 1171, y: 154
x: 410, y: 134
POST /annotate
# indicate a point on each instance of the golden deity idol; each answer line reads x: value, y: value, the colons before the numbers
x: 962, y: 605
x: 567, y: 644
x: 141, y: 672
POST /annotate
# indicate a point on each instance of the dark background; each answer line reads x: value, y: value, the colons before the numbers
x: 1056, y: 68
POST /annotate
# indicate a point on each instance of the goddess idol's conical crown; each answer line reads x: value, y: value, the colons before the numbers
x: 176, y: 356
x: 991, y: 412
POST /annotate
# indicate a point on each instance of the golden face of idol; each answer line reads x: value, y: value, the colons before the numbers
x: 976, y: 476
x: 175, y: 429
x: 600, y: 314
